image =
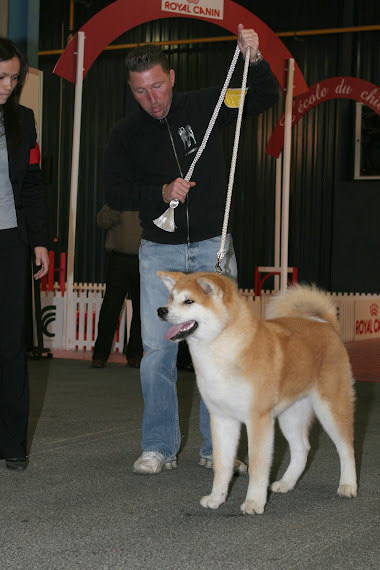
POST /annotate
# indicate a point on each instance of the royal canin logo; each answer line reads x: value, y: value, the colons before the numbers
x: 374, y: 309
x: 192, y: 1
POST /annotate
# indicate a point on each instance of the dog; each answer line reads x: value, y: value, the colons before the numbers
x: 291, y: 366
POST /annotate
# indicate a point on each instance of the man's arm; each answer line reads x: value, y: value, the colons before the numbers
x: 263, y: 90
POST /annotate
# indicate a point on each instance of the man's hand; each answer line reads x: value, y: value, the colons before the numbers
x: 248, y: 38
x: 42, y: 259
x: 178, y: 190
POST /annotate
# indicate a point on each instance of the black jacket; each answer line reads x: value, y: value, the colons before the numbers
x: 139, y: 159
x: 26, y: 180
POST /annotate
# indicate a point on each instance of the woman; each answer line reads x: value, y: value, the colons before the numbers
x: 23, y: 224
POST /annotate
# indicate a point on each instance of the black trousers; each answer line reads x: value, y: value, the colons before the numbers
x: 122, y: 278
x: 14, y: 385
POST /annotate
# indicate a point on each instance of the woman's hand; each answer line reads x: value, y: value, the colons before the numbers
x: 42, y: 259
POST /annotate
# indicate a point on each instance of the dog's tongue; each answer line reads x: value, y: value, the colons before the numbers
x: 176, y: 329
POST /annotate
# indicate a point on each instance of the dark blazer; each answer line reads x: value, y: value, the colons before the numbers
x: 26, y: 180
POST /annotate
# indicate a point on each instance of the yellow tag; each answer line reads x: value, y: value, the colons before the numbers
x: 232, y: 98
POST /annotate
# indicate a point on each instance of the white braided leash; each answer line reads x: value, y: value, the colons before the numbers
x: 174, y: 203
x: 222, y: 251
x: 215, y: 114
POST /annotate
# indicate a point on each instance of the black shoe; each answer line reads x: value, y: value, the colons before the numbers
x: 98, y: 363
x: 188, y: 367
x: 17, y: 463
x: 134, y: 361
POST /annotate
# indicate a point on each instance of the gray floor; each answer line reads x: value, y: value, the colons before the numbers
x: 79, y: 506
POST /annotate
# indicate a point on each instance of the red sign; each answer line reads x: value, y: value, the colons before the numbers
x: 333, y: 88
x: 367, y: 319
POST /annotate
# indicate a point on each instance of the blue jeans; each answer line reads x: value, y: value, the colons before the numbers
x: 160, y: 427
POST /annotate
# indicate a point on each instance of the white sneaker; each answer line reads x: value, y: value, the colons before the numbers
x: 239, y: 466
x: 206, y: 462
x: 152, y: 462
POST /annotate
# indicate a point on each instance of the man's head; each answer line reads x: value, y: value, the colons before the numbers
x: 151, y: 79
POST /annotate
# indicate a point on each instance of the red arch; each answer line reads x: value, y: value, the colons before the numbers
x: 332, y: 88
x: 120, y: 16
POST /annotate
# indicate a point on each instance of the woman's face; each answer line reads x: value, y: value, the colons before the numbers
x: 9, y: 74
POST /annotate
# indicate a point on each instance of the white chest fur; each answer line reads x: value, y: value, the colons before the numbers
x: 223, y: 392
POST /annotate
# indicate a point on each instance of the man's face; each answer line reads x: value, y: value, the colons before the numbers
x: 153, y: 90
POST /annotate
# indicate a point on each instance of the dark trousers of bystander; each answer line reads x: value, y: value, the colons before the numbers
x: 14, y: 384
x: 122, y: 279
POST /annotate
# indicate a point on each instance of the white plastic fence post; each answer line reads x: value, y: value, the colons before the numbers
x: 70, y: 321
x: 286, y: 176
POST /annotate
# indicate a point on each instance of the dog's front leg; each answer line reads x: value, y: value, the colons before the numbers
x: 260, y: 430
x: 225, y: 434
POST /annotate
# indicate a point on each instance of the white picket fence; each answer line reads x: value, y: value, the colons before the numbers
x: 88, y: 303
x: 346, y: 306
x: 90, y: 297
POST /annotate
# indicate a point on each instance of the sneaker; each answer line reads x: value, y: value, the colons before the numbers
x: 239, y: 466
x: 152, y: 462
x: 206, y: 462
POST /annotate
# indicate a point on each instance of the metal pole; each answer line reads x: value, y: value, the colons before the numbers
x: 277, y: 223
x: 286, y: 176
x: 70, y: 321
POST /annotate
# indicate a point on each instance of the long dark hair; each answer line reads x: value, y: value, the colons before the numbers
x: 9, y: 50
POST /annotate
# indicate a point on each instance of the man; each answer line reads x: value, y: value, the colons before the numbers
x: 122, y: 278
x: 149, y: 154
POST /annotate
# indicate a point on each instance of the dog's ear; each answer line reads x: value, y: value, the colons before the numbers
x: 209, y: 287
x: 170, y: 278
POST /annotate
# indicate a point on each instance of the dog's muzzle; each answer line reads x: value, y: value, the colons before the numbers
x: 179, y: 331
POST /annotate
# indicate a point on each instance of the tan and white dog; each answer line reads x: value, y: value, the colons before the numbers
x: 290, y: 366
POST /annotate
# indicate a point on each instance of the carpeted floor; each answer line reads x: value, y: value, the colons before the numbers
x: 79, y: 506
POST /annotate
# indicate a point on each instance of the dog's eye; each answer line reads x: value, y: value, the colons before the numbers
x: 188, y: 301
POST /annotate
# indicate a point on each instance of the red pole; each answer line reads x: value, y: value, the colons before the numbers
x: 51, y: 271
x: 62, y: 274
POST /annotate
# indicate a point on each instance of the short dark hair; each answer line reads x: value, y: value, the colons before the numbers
x: 145, y: 57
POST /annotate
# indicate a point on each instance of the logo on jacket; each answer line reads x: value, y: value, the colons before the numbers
x: 188, y: 139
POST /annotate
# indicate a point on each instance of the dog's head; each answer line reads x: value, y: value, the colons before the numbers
x: 197, y: 306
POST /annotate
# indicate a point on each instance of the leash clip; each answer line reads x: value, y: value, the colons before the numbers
x: 218, y: 269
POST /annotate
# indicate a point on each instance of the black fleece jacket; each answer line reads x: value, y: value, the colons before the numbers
x: 139, y: 159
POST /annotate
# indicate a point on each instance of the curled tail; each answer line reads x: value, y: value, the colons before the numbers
x: 303, y: 301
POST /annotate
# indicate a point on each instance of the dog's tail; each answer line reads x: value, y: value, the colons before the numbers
x: 303, y: 301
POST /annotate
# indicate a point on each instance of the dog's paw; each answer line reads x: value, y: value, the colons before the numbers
x: 280, y: 487
x: 211, y: 502
x: 252, y: 508
x: 347, y: 490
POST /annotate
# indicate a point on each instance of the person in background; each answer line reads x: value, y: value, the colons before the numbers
x: 122, y: 278
x: 149, y: 153
x: 23, y: 225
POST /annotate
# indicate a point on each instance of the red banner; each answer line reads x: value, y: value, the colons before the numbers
x: 333, y: 88
x: 34, y: 155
